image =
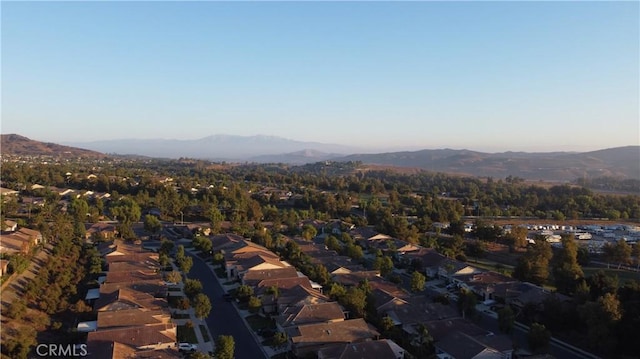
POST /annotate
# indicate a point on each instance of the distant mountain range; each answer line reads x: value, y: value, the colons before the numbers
x: 216, y: 147
x: 620, y: 162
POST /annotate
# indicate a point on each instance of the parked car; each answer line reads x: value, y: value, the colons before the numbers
x: 187, y: 347
x: 228, y: 297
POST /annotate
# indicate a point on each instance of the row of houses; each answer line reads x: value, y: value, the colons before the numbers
x: 133, y: 319
x: 454, y: 336
x: 14, y: 240
x: 312, y: 321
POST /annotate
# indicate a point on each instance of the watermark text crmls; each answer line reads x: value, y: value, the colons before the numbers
x: 53, y: 350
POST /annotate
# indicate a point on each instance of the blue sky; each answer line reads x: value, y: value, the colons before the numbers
x: 489, y: 76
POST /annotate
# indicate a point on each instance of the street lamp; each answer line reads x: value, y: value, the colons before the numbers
x: 181, y: 218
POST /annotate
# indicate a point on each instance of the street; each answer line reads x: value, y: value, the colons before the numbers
x: 224, y: 319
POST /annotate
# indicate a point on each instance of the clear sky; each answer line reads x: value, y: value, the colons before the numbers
x: 488, y: 76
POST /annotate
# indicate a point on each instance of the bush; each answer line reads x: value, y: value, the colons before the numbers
x: 254, y: 304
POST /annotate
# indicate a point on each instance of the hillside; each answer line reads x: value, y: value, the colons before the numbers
x: 620, y: 162
x: 17, y: 145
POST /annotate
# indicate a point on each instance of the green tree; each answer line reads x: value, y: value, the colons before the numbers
x: 244, y: 292
x: 517, y: 237
x: 601, y: 317
x: 417, y: 282
x: 533, y: 266
x: 423, y: 341
x: 225, y: 347
x: 567, y: 272
x: 152, y: 224
x: 538, y: 337
x: 201, y: 305
x: 506, y: 319
x: 174, y: 277
x: 309, y: 231
x: 622, y: 252
x: 467, y: 302
x: 254, y: 304
x: 166, y: 246
x: 164, y: 260
x: 279, y: 340
x: 332, y: 243
x: 192, y: 287
x: 185, y: 264
x: 216, y: 218
x: 387, y: 324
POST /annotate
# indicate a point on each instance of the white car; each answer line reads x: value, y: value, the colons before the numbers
x: 187, y: 347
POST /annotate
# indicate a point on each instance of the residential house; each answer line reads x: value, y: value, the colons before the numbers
x: 254, y: 277
x: 132, y: 296
x: 20, y: 241
x: 378, y: 349
x: 313, y: 337
x: 409, y: 313
x: 462, y: 346
x: 450, y: 269
x: 132, y: 317
x: 425, y: 260
x: 483, y: 284
x: 102, y: 231
x: 9, y: 226
x: 149, y: 337
x: 294, y: 296
x: 521, y: 294
x: 310, y: 313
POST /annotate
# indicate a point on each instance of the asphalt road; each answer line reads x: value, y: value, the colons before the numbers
x: 224, y: 319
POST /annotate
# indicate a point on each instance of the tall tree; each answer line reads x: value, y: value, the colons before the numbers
x: 538, y: 337
x: 601, y: 317
x: 202, y: 305
x: 533, y: 266
x: 567, y: 272
x: 506, y: 318
x: 417, y: 282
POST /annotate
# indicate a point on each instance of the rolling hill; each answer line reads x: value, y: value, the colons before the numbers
x: 620, y: 162
x: 17, y: 145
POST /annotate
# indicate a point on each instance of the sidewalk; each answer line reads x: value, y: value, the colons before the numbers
x: 203, y: 346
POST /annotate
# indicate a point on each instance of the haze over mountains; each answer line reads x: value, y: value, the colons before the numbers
x: 621, y: 162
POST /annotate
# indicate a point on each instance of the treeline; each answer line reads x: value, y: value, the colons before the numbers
x: 431, y: 197
x: 610, y: 184
x: 52, y: 302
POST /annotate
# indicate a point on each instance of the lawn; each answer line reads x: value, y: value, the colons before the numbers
x: 491, y: 265
x: 205, y: 334
x: 623, y: 275
x: 257, y: 322
x: 187, y: 334
x: 221, y: 273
